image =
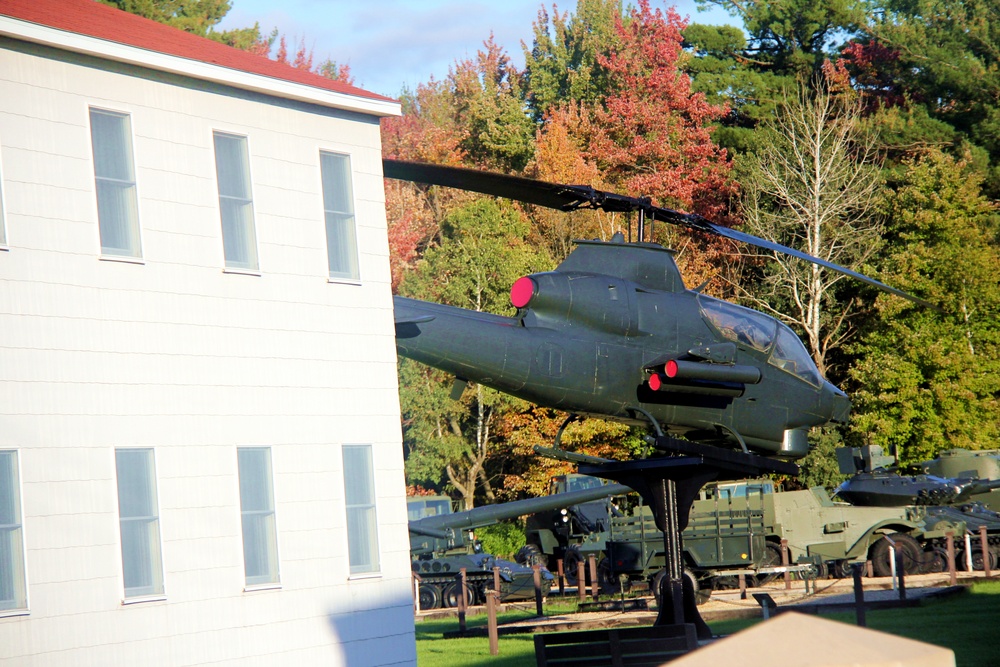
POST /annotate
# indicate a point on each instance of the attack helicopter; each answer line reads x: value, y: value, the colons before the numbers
x: 613, y: 333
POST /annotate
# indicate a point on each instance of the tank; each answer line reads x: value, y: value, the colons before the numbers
x: 442, y: 543
x: 874, y: 482
x: 963, y: 463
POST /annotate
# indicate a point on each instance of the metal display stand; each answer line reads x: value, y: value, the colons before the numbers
x: 669, y: 484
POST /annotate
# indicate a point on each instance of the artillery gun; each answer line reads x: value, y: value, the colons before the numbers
x: 442, y: 542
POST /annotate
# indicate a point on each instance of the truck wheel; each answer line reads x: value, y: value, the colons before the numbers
x: 910, y: 548
x: 570, y: 560
x: 772, y: 558
x: 451, y: 593
x: 430, y: 596
x: 530, y: 555
x: 608, y: 581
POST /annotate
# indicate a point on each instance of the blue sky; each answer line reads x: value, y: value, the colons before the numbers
x: 392, y: 43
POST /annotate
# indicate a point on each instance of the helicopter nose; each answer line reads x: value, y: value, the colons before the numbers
x: 835, y: 403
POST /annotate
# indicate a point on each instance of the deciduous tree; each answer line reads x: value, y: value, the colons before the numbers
x: 482, y: 252
x: 813, y: 185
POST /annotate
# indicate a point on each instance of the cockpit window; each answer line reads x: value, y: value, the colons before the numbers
x: 790, y: 355
x: 739, y: 324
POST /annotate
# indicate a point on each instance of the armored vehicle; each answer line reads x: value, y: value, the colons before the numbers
x: 963, y: 463
x: 874, y: 481
x: 953, y: 499
x: 442, y: 542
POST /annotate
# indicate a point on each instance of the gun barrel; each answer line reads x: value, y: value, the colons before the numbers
x: 490, y: 514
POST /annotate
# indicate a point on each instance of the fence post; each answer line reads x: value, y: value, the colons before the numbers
x: 784, y: 564
x: 859, y: 595
x: 491, y: 621
x: 537, y: 574
x: 461, y: 600
x: 950, y: 541
x: 562, y: 577
x: 593, y: 576
x: 984, y: 544
x: 581, y: 580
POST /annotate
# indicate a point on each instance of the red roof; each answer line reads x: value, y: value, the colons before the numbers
x: 93, y: 19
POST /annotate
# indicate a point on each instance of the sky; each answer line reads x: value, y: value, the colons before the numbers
x: 392, y: 44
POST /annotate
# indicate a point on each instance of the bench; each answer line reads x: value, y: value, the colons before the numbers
x: 615, y: 647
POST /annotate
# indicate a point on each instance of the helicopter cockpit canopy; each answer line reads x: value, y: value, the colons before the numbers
x: 758, y: 331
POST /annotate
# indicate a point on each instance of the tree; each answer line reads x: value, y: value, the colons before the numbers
x: 562, y: 64
x: 195, y: 16
x: 794, y: 37
x: 946, y: 57
x: 812, y: 185
x: 482, y: 252
x: 489, y: 94
x: 925, y: 381
x: 652, y: 134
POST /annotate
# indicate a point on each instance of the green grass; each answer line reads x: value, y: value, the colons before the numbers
x: 963, y: 623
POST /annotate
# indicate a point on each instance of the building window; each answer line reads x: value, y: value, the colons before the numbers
x: 140, y: 522
x: 338, y: 208
x: 13, y: 592
x: 117, y: 203
x: 362, y: 528
x: 260, y: 536
x: 232, y: 167
x: 3, y: 228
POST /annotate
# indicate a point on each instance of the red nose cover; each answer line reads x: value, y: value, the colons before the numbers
x: 654, y: 382
x: 521, y: 292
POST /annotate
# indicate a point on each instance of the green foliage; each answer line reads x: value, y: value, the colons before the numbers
x: 562, y: 64
x: 481, y: 253
x: 948, y: 61
x: 502, y: 539
x: 819, y: 467
x: 925, y: 380
x: 196, y: 16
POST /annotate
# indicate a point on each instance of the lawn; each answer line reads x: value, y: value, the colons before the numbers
x: 963, y: 623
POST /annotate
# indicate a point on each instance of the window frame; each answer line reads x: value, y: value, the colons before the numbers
x: 139, y: 256
x: 342, y: 279
x: 276, y: 582
x: 152, y: 595
x: 25, y: 609
x: 4, y: 240
x: 254, y: 246
x: 374, y: 569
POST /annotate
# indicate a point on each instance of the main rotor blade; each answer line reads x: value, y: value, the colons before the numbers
x: 573, y: 197
x: 540, y: 193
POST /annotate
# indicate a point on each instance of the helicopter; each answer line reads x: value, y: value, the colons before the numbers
x: 613, y: 333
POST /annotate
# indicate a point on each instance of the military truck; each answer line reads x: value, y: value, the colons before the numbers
x: 442, y: 542
x: 628, y: 547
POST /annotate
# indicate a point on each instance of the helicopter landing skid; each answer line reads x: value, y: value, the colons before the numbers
x: 669, y: 484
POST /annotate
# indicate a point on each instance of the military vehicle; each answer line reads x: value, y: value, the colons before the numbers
x: 963, y: 463
x: 628, y: 547
x: 614, y: 333
x: 442, y: 542
x: 875, y: 482
x: 955, y: 499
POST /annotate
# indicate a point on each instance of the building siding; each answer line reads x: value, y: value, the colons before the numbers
x: 176, y: 354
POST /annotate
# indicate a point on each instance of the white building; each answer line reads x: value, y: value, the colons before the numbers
x: 200, y: 457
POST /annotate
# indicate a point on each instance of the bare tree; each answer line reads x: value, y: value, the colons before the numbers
x: 814, y: 184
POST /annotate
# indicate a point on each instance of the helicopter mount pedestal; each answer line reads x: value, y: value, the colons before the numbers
x: 669, y: 484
